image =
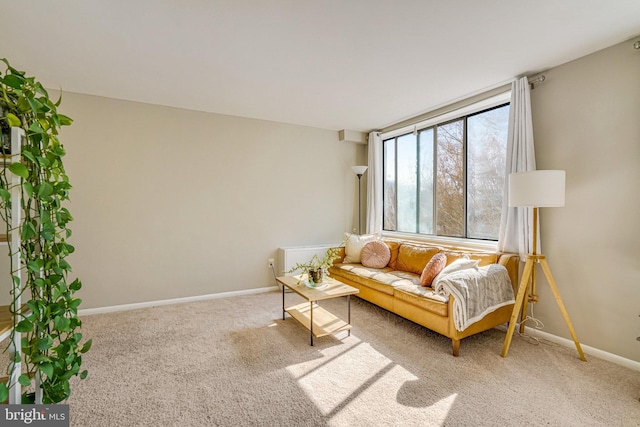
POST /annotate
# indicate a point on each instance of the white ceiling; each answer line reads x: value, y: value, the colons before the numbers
x: 334, y: 64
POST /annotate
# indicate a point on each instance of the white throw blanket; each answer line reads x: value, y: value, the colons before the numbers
x: 477, y: 292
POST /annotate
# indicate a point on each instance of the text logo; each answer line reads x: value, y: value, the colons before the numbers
x: 35, y: 415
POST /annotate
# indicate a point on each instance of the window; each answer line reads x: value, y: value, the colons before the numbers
x: 447, y: 178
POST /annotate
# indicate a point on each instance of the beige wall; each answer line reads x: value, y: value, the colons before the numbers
x: 173, y: 203
x: 586, y: 121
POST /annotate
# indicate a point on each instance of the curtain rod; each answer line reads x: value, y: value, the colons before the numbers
x: 538, y: 79
x: 504, y: 86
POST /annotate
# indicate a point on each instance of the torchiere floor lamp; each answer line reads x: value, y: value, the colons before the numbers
x: 536, y: 189
x: 359, y: 171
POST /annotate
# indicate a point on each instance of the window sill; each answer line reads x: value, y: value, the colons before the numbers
x: 452, y: 242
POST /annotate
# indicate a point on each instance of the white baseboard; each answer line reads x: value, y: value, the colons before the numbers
x: 146, y: 304
x: 610, y: 357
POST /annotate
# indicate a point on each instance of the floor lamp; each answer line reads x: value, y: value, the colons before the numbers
x: 536, y: 189
x: 359, y: 171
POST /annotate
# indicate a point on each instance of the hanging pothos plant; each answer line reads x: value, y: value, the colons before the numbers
x: 52, y: 344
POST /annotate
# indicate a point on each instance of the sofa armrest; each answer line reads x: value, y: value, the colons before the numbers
x: 341, y: 253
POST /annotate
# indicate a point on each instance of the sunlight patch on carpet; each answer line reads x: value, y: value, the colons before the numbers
x: 352, y: 377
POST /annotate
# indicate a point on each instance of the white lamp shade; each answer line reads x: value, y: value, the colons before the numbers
x: 543, y: 188
x: 359, y: 170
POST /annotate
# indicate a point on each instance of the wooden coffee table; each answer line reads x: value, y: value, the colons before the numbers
x: 313, y: 317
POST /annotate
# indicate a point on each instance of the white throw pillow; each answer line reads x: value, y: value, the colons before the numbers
x: 353, y: 246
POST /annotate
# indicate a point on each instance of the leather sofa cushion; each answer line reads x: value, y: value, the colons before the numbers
x: 393, y: 248
x: 413, y: 258
x: 381, y: 279
x: 434, y: 303
x: 362, y: 276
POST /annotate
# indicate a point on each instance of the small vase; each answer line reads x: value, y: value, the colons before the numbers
x: 316, y: 275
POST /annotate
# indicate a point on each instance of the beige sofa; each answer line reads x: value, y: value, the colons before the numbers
x: 419, y: 304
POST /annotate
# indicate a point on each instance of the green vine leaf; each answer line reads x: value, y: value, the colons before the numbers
x: 35, y: 107
x: 24, y: 380
x: 64, y: 120
x: 4, y: 392
x: 35, y: 126
x: 13, y: 120
x: 20, y: 170
x: 24, y: 326
x: 13, y: 81
x: 86, y: 346
x: 43, y: 161
x: 28, y: 155
x: 40, y: 359
x: 28, y: 231
x: 34, y: 306
x: 75, y: 302
x: 45, y: 189
x: 54, y: 279
x: 35, y: 266
x: 61, y: 323
x: 28, y: 189
x: 45, y: 343
x: 75, y: 285
x: 47, y: 369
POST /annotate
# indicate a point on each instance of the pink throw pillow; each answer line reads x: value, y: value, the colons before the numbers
x: 375, y: 254
x: 433, y: 268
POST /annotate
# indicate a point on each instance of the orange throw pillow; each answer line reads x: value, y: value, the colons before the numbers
x: 433, y: 268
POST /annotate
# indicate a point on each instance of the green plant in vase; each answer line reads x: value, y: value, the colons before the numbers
x: 316, y: 268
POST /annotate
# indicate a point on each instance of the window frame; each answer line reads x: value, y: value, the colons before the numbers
x: 464, y: 111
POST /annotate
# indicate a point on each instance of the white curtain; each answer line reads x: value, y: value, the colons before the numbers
x: 374, y: 185
x: 516, y: 224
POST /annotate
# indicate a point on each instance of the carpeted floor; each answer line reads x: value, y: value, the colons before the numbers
x: 235, y: 362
